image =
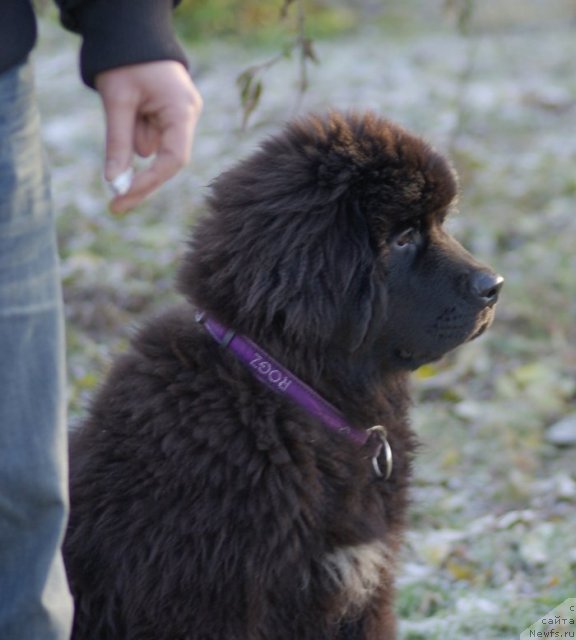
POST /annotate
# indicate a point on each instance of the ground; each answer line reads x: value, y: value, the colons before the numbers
x: 491, y: 543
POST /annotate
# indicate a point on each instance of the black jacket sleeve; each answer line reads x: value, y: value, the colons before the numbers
x: 116, y: 33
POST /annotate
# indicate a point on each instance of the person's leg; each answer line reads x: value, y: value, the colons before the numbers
x: 35, y: 602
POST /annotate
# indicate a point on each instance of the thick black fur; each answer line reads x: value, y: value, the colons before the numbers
x: 204, y: 506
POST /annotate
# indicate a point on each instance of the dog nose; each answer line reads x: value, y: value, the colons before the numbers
x: 486, y: 286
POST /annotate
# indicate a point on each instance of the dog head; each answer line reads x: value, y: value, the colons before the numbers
x: 332, y: 234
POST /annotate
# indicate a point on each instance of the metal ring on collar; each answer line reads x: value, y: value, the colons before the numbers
x: 381, y: 432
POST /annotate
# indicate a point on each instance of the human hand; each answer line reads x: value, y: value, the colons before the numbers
x: 151, y: 109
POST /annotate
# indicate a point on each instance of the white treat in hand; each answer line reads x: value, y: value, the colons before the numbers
x: 122, y: 183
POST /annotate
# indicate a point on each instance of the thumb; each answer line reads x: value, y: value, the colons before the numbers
x: 120, y: 127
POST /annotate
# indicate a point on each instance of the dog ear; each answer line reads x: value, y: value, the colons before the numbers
x: 320, y: 281
x: 361, y: 309
x: 305, y: 270
x: 364, y: 314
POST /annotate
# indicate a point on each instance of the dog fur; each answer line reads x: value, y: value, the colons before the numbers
x: 203, y: 505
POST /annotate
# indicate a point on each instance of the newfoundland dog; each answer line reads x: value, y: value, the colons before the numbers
x: 243, y: 471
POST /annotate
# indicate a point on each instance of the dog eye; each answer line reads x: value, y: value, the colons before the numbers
x: 407, y: 237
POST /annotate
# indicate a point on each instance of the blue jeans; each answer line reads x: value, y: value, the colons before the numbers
x: 35, y: 602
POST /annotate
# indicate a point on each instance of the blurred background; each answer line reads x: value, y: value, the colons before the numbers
x: 492, y: 84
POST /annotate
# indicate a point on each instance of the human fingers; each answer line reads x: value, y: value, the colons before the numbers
x: 120, y: 114
x: 164, y: 106
x: 146, y: 138
x: 174, y: 135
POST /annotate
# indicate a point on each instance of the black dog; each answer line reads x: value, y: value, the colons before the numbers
x: 207, y: 506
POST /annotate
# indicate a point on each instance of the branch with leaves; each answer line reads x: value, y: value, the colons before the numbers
x: 250, y: 82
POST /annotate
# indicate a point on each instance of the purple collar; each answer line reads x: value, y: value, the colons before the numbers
x: 273, y: 375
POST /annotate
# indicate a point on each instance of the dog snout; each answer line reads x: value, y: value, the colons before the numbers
x: 485, y: 286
